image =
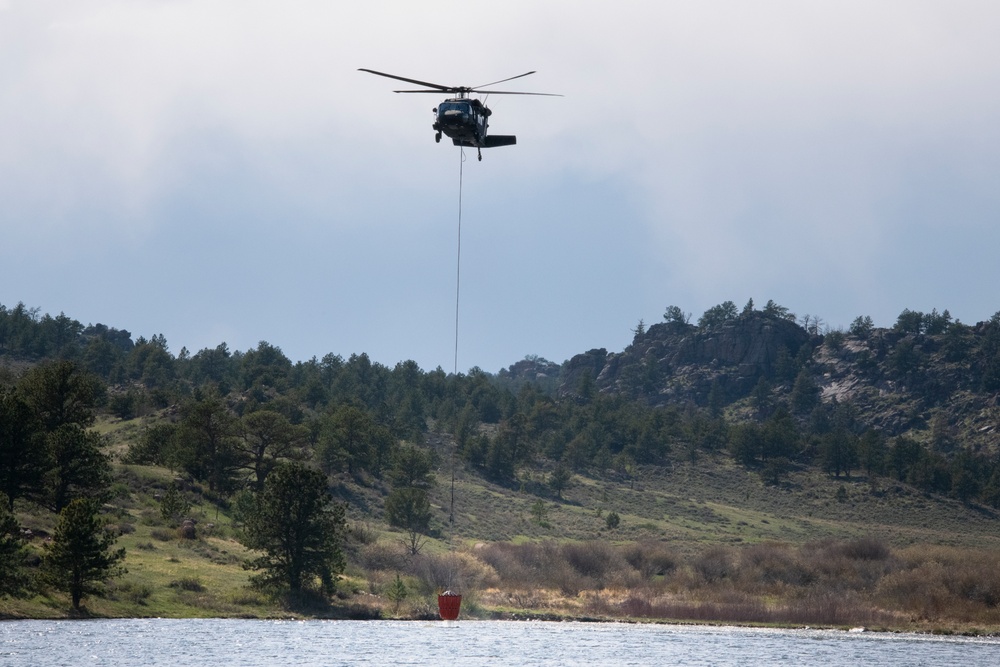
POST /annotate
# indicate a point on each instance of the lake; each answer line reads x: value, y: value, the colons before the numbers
x: 253, y: 643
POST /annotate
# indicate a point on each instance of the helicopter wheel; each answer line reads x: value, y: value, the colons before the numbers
x: 437, y: 138
x: 480, y: 152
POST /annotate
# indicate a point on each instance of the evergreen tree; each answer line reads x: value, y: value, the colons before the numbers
x: 412, y: 467
x: 774, y: 310
x: 718, y: 315
x: 872, y: 453
x: 265, y: 438
x: 862, y: 326
x: 559, y: 479
x: 174, y: 506
x: 61, y: 393
x: 206, y: 443
x: 13, y: 578
x: 22, y: 449
x: 80, y: 555
x: 345, y: 439
x: 805, y: 393
x: 409, y: 508
x: 78, y: 467
x: 298, y: 530
x: 677, y: 317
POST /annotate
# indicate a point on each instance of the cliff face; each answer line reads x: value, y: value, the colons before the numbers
x: 943, y: 388
x: 673, y: 362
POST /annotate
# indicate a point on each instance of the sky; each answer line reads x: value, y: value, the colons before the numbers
x: 220, y: 171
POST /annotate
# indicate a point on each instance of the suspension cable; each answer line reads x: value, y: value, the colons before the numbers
x: 458, y: 263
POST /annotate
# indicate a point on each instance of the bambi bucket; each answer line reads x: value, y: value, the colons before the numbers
x: 449, y: 605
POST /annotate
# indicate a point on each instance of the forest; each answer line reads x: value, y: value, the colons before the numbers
x: 255, y: 435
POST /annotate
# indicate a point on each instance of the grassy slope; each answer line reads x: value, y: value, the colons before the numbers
x: 691, y: 506
x: 715, y: 501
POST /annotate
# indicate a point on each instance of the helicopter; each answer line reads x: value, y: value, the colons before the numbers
x: 464, y: 119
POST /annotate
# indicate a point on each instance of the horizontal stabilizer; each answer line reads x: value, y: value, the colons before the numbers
x: 494, y: 140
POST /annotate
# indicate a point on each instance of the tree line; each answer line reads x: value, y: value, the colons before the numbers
x: 259, y: 430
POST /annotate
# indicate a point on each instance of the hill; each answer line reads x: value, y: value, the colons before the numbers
x: 748, y: 453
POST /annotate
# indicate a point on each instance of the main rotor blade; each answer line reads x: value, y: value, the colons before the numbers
x: 513, y: 92
x: 438, y: 86
x: 486, y: 93
x: 502, y: 80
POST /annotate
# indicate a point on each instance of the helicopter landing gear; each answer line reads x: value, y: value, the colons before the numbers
x: 437, y: 138
x: 480, y: 152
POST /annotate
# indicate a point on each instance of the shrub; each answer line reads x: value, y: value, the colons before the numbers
x: 650, y: 558
x: 382, y: 556
x: 362, y: 533
x: 594, y: 560
x: 192, y: 584
x: 455, y: 571
x: 865, y: 548
x: 162, y: 534
x: 770, y: 563
x: 714, y: 564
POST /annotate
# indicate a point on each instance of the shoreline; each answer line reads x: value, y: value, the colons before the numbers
x: 527, y: 617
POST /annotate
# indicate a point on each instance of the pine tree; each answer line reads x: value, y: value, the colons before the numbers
x: 298, y: 530
x: 13, y: 580
x: 80, y: 555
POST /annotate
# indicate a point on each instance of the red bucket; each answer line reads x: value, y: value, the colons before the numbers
x: 449, y: 605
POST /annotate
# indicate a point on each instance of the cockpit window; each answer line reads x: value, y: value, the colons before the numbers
x: 462, y: 107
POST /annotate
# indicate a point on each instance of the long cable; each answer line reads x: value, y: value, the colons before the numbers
x: 458, y: 263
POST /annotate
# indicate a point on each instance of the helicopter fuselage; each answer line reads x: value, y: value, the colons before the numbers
x: 466, y: 122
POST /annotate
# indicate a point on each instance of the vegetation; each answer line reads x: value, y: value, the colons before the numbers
x: 297, y: 530
x: 752, y: 467
x: 80, y: 557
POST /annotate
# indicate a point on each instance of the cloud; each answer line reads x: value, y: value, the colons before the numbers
x: 838, y: 157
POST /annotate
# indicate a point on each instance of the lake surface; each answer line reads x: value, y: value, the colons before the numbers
x: 254, y: 643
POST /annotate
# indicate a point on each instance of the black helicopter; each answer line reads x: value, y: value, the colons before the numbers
x: 463, y: 119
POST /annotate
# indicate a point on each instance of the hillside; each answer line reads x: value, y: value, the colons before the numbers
x: 684, y: 464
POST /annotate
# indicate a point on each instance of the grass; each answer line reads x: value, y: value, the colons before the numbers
x: 702, y: 540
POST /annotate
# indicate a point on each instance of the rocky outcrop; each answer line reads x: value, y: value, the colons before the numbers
x: 674, y: 362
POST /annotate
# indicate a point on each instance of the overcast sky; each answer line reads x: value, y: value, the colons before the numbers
x: 219, y: 171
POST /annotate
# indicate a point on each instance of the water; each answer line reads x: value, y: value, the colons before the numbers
x: 251, y: 643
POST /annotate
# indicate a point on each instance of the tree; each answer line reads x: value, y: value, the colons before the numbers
x: 987, y: 362
x: 559, y: 479
x: 746, y: 442
x: 718, y: 315
x: 909, y: 322
x: 936, y: 323
x: 299, y: 530
x: 409, y: 508
x: 412, y: 467
x: 839, y: 449
x: 862, y: 326
x: 267, y: 437
x: 345, y: 439
x: 78, y: 467
x: 805, y: 393
x: 22, y: 449
x: 674, y: 315
x: 13, y: 580
x: 80, y: 556
x: 206, y: 443
x: 61, y: 393
x: 774, y: 310
x: 872, y: 452
x: 780, y: 435
x: 397, y: 592
x: 174, y: 506
x: 903, y: 455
